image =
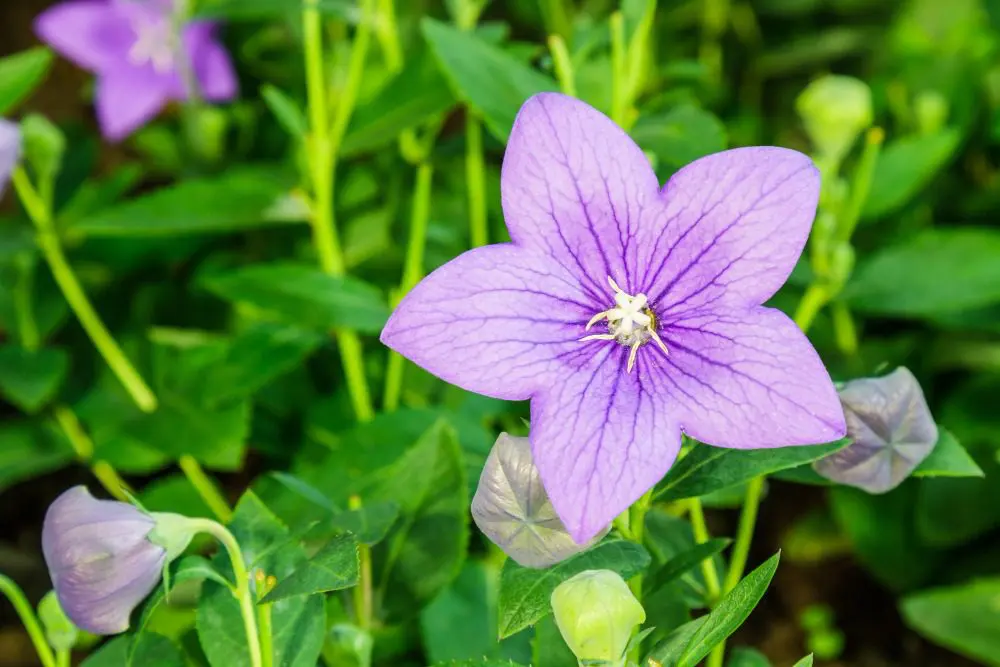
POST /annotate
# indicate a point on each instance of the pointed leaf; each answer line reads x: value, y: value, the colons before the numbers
x: 333, y: 568
x: 948, y: 459
x: 683, y: 562
x: 963, y: 618
x: 20, y: 74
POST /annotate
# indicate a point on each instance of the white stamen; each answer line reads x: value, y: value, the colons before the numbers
x: 630, y: 323
x: 154, y: 43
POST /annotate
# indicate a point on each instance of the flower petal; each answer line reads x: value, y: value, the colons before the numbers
x: 496, y: 320
x: 127, y: 99
x: 575, y: 187
x: 211, y: 63
x: 735, y: 224
x: 10, y: 151
x: 749, y: 380
x: 601, y: 438
x: 91, y: 33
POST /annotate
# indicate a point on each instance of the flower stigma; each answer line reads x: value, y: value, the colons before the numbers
x: 154, y: 44
x: 631, y: 323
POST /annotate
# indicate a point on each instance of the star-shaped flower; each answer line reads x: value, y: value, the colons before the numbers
x: 628, y: 313
x: 134, y: 49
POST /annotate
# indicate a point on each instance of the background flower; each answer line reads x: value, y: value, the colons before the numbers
x: 10, y: 151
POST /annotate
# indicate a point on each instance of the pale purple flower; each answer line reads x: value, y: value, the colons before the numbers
x: 892, y: 429
x: 10, y: 151
x: 133, y: 48
x: 512, y: 509
x: 628, y: 313
x: 100, y: 558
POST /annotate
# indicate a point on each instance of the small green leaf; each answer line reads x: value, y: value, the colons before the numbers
x: 304, y: 296
x: 729, y: 614
x: 484, y: 76
x: 905, y: 167
x: 706, y: 469
x: 525, y: 593
x: 30, y: 379
x: 680, y: 136
x: 684, y: 562
x: 286, y: 110
x: 333, y: 568
x: 20, y: 74
x: 963, y: 618
x: 948, y: 459
x: 805, y: 662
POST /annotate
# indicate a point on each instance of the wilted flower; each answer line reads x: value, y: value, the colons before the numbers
x: 10, y: 151
x: 627, y: 313
x: 835, y: 110
x: 511, y: 508
x: 596, y: 613
x: 140, y: 61
x: 892, y: 429
x: 104, y: 557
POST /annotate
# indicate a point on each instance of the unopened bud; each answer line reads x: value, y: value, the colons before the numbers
x: 596, y: 613
x: 835, y: 110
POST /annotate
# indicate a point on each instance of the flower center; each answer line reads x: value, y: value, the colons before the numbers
x: 154, y: 44
x: 630, y: 323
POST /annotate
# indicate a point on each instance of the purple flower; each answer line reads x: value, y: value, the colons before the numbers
x: 892, y: 429
x: 133, y: 48
x: 628, y: 313
x: 10, y: 151
x: 100, y: 558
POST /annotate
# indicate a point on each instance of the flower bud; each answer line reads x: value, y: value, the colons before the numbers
x: 10, y: 151
x: 892, y: 429
x: 512, y: 509
x: 44, y: 145
x: 596, y: 612
x: 835, y: 110
x: 59, y: 630
x: 104, y: 557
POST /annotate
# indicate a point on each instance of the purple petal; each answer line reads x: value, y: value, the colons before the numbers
x: 211, y: 63
x: 602, y: 437
x: 748, y: 380
x: 91, y: 33
x: 577, y: 188
x: 127, y: 99
x: 496, y: 320
x: 892, y: 428
x: 10, y: 151
x: 735, y: 224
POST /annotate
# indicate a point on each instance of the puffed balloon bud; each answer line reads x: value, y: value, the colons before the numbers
x: 835, y: 111
x: 596, y: 613
x: 511, y: 508
x: 892, y: 430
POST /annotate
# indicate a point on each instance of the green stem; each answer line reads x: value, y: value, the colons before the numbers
x: 713, y: 25
x: 861, y: 184
x: 206, y: 488
x: 563, y: 65
x: 241, y: 580
x: 83, y: 446
x: 363, y: 592
x: 812, y: 302
x: 266, y: 631
x: 412, y: 271
x: 637, y: 527
x: 77, y: 299
x: 619, y: 73
x: 845, y: 333
x: 26, y: 326
x: 63, y: 658
x: 700, y: 528
x: 13, y: 592
x: 556, y: 19
x: 475, y: 176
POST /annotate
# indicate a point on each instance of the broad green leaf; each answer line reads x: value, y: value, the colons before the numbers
x: 20, y: 74
x: 963, y: 618
x: 669, y: 651
x: 255, y: 10
x: 29, y: 379
x: 29, y: 449
x: 146, y: 649
x: 683, y: 562
x: 741, y: 656
x: 948, y: 459
x: 304, y: 296
x: 286, y: 110
x: 936, y: 271
x: 805, y: 662
x: 415, y: 95
x: 729, y: 613
x: 905, y: 167
x: 469, y: 603
x: 241, y: 198
x: 333, y: 568
x: 706, y: 468
x: 370, y: 523
x: 680, y: 136
x: 112, y: 654
x: 95, y: 194
x: 548, y: 648
x: 525, y: 593
x: 486, y: 77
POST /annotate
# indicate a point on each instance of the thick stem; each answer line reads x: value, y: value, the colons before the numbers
x: 13, y: 592
x: 475, y: 176
x: 63, y: 658
x: 206, y: 488
x: 266, y: 631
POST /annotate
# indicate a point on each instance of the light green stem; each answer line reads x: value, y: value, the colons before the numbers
x: 563, y: 65
x: 206, y: 488
x: 475, y: 176
x: 26, y: 326
x: 556, y: 18
x: 815, y: 297
x: 844, y: 331
x: 83, y: 446
x: 861, y: 184
x: 13, y: 592
x: 700, y: 528
x: 323, y: 145
x: 77, y: 299
x: 715, y: 13
x: 363, y: 592
x: 63, y: 658
x: 412, y: 272
x: 619, y: 73
x: 266, y: 631
x: 637, y: 528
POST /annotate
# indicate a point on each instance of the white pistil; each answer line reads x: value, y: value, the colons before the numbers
x: 630, y: 323
x: 154, y: 43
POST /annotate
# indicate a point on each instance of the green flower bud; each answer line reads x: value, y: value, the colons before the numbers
x: 835, y: 110
x: 596, y: 613
x: 44, y: 145
x: 931, y: 110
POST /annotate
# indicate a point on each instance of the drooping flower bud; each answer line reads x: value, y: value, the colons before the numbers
x: 10, y: 151
x: 892, y: 429
x: 596, y: 613
x: 835, y: 110
x: 512, y: 509
x: 105, y: 557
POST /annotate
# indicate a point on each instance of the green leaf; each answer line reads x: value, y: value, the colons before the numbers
x: 486, y: 77
x: 286, y: 110
x: 805, y: 662
x: 525, y: 593
x: 669, y: 651
x: 963, y: 618
x: 948, y: 459
x: 680, y: 136
x: 468, y: 603
x: 146, y: 649
x: 684, y: 562
x: 20, y: 74
x: 741, y: 656
x: 548, y: 647
x: 706, y: 469
x: 905, y: 168
x: 304, y: 296
x: 935, y: 271
x: 333, y: 568
x: 370, y: 523
x: 255, y: 10
x: 416, y: 95
x: 240, y: 198
x: 30, y: 379
x: 729, y: 614
x: 28, y: 450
